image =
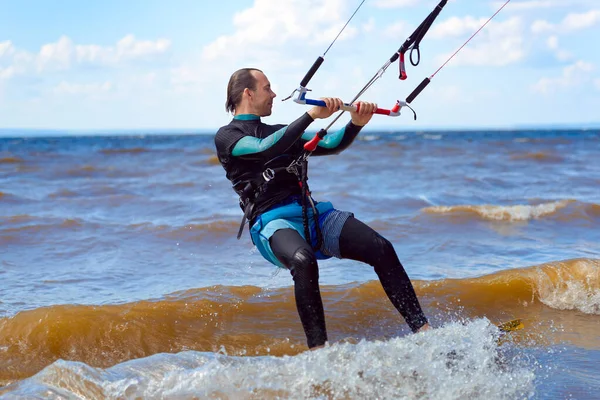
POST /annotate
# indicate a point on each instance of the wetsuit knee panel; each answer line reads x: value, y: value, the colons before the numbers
x: 303, y: 265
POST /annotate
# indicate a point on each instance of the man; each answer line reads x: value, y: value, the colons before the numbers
x: 257, y: 159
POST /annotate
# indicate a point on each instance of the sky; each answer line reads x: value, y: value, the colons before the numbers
x: 164, y: 65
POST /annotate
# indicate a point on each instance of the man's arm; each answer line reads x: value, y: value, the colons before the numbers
x: 251, y: 148
x: 335, y: 142
x: 277, y: 143
x: 341, y: 140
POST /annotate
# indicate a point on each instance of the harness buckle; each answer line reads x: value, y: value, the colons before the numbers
x: 268, y: 174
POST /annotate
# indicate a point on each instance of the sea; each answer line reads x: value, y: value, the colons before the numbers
x: 121, y: 276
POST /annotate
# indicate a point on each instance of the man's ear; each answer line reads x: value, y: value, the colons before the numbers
x: 247, y: 92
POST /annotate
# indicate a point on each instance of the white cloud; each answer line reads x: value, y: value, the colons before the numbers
x: 83, y: 89
x: 7, y: 73
x: 6, y: 49
x: 541, y: 26
x: 398, y: 29
x: 395, y: 3
x: 130, y: 48
x: 529, y: 5
x: 560, y: 53
x: 572, y: 22
x: 64, y: 54
x: 126, y: 49
x: 369, y: 26
x: 94, y: 54
x: 572, y: 75
x: 270, y: 24
x: 455, y: 26
x: 536, y: 5
x: 499, y: 44
x: 15, y: 62
x: 552, y: 42
x: 56, y: 55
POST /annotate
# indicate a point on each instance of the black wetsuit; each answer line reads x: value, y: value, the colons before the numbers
x: 276, y: 154
x: 279, y: 146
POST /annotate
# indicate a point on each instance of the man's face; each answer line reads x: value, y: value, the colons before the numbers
x: 262, y: 97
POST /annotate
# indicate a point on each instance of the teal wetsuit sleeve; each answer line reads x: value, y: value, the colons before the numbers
x: 277, y: 143
x: 249, y: 144
x: 330, y: 141
x: 335, y: 142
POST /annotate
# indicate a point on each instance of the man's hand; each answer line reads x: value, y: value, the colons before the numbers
x: 333, y: 105
x: 364, y: 114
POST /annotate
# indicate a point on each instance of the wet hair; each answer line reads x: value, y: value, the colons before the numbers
x: 240, y: 80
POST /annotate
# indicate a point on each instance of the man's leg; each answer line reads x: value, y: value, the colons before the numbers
x: 361, y: 243
x: 297, y: 255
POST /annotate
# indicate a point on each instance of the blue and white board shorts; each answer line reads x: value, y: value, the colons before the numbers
x: 289, y: 216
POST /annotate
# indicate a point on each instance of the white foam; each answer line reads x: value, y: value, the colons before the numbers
x: 573, y: 296
x: 408, y: 367
x: 568, y: 292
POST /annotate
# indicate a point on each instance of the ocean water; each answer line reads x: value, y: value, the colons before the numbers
x: 121, y: 276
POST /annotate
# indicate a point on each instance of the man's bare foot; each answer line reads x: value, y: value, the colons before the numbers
x: 424, y: 328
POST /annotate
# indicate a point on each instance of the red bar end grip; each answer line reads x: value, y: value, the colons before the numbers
x: 311, y: 145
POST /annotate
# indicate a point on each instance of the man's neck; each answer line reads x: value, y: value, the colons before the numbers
x: 245, y: 109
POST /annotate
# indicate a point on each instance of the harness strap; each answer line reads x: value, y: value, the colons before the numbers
x: 248, y: 207
x: 306, y: 197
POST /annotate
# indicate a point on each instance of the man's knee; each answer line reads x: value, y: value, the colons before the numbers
x: 303, y: 266
x: 383, y: 249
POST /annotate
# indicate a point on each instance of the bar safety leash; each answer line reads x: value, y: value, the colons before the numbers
x: 413, y: 41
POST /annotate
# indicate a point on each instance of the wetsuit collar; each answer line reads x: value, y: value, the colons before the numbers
x: 247, y: 117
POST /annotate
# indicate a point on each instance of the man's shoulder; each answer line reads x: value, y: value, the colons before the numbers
x: 228, y: 135
x: 230, y: 128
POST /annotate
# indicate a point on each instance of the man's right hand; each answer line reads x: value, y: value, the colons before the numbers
x: 333, y: 104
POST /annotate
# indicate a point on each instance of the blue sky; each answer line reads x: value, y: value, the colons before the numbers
x: 158, y: 65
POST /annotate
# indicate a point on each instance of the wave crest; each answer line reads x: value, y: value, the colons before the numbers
x: 501, y: 213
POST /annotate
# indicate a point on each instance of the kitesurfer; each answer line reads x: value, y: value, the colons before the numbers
x: 260, y: 161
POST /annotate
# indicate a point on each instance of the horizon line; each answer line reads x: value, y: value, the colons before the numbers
x: 383, y: 129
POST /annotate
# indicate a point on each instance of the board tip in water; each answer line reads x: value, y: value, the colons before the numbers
x: 510, y: 326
